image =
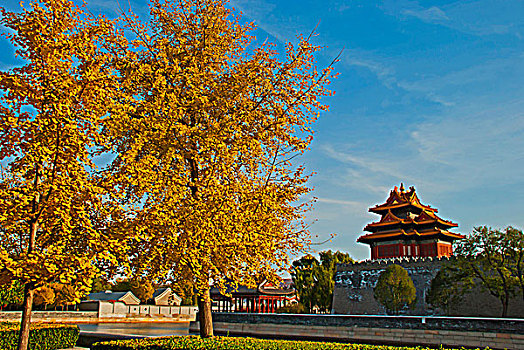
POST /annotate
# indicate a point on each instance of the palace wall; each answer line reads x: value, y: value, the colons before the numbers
x: 354, y: 283
x: 451, y: 332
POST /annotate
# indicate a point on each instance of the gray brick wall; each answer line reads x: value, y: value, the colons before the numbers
x: 395, y: 330
x: 354, y: 283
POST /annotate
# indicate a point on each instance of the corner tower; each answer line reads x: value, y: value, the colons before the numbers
x: 408, y: 228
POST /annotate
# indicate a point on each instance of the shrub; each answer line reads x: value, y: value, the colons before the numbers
x: 233, y: 343
x: 292, y: 309
x: 42, y: 336
x: 395, y: 289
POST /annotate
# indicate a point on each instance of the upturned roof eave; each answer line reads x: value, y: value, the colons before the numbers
x: 406, y: 222
x: 369, y: 238
x: 385, y: 207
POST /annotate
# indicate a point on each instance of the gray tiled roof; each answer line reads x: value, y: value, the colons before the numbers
x: 158, y: 292
x: 106, y: 296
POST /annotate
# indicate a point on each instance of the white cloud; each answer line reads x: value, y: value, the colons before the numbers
x: 481, y: 17
x: 432, y: 14
x: 255, y: 9
x: 476, y: 140
x: 383, y: 72
x: 345, y: 203
x: 114, y: 7
x: 487, y: 17
x: 370, y: 172
x: 485, y: 143
x: 472, y: 147
x: 481, y: 72
x: 282, y: 26
x: 452, y: 88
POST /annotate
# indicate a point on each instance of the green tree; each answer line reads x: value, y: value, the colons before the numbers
x: 447, y: 288
x: 395, y: 289
x: 314, y: 279
x: 304, y: 274
x: 493, y: 258
x: 515, y: 240
x: 11, y: 292
x: 100, y: 284
x: 326, y: 277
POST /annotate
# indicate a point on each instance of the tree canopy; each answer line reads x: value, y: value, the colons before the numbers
x: 142, y: 288
x: 314, y: 279
x: 491, y: 259
x: 205, y: 134
x: 202, y: 123
x: 11, y: 293
x: 52, y: 208
x: 45, y: 296
x: 395, y: 289
x: 447, y: 288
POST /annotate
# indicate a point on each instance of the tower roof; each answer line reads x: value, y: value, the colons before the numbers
x: 399, y: 198
x: 408, y: 234
x: 425, y: 217
x: 403, y: 216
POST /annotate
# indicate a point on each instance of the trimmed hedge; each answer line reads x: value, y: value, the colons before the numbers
x: 42, y: 336
x: 232, y: 343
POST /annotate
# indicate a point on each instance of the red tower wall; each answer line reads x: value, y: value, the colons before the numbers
x: 396, y: 250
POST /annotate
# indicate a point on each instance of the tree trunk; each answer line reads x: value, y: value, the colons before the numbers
x: 23, y: 340
x: 504, y: 301
x: 29, y: 288
x: 204, y: 315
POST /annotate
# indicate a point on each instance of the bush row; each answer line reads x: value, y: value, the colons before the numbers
x: 232, y: 343
x: 42, y: 336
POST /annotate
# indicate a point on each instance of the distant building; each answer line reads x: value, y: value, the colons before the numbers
x: 127, y: 298
x: 408, y: 228
x: 266, y: 298
x: 165, y: 297
x: 124, y: 304
x: 409, y: 234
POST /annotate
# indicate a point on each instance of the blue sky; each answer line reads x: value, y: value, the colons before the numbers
x: 430, y: 94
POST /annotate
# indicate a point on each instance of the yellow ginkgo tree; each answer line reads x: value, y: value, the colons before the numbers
x: 52, y: 209
x: 205, y: 136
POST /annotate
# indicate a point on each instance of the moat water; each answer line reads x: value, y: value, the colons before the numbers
x: 148, y: 329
